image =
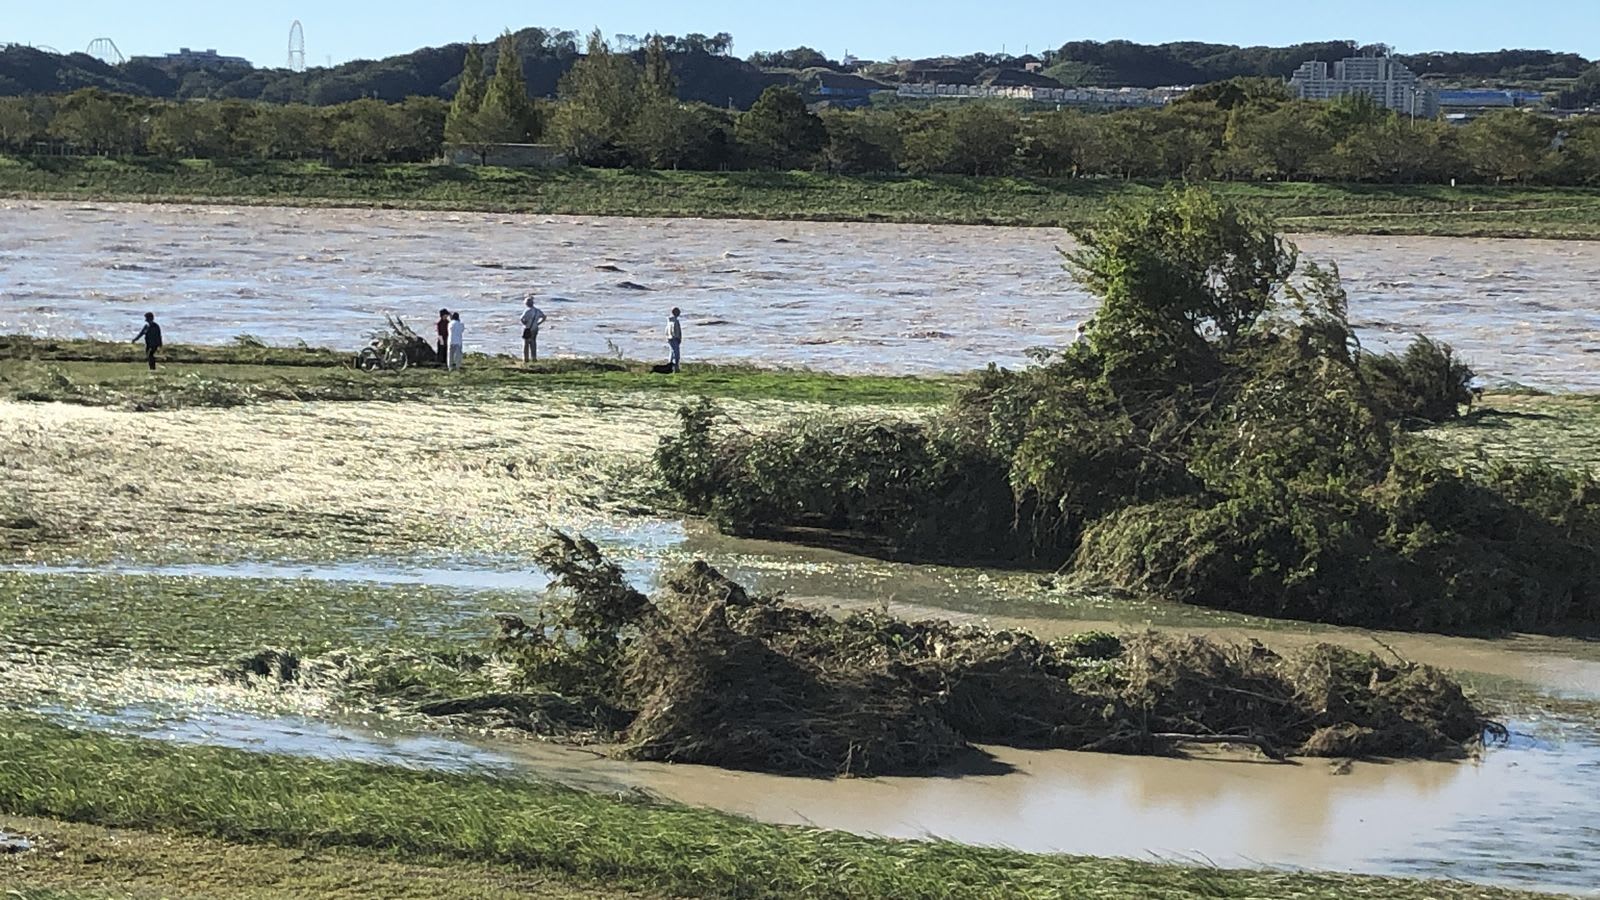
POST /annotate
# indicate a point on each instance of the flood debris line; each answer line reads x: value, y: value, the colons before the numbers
x: 706, y: 672
x: 1217, y: 437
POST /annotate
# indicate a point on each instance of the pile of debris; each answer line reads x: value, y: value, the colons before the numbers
x: 706, y: 672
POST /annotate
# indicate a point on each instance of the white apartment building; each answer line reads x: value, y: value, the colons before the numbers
x: 1380, y: 77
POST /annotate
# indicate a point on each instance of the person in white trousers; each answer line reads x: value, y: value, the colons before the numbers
x: 456, y: 341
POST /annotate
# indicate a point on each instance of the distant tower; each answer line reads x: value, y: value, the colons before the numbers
x: 105, y: 50
x: 297, y: 47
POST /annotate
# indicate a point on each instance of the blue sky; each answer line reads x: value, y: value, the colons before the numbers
x: 350, y: 30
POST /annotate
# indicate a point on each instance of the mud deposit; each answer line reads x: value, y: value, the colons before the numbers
x: 847, y: 297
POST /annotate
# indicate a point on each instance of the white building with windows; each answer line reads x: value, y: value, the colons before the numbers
x: 1382, y: 78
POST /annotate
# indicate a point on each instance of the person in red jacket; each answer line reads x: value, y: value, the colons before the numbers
x: 443, y: 329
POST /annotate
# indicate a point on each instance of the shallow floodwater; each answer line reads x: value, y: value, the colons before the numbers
x: 849, y: 297
x: 1523, y: 816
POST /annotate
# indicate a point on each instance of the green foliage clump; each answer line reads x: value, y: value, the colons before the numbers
x: 1218, y: 437
x: 904, y: 488
x: 1428, y: 382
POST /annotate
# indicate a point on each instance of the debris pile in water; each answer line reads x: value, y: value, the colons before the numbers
x: 706, y: 672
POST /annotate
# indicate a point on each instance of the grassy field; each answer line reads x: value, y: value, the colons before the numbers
x: 112, y: 374
x: 123, y: 817
x: 1475, y: 211
x: 566, y: 842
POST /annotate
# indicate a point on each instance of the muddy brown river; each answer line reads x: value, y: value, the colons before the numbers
x: 847, y: 297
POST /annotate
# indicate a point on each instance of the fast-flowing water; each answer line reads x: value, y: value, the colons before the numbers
x: 849, y: 297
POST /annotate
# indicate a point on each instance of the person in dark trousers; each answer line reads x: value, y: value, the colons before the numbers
x: 151, y: 335
x: 443, y: 330
x: 532, y: 318
x: 674, y: 338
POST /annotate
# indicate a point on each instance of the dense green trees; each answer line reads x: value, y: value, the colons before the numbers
x: 615, y: 111
x: 779, y: 132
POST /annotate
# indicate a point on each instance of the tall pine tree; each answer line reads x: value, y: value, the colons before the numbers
x: 508, y: 113
x: 659, y: 82
x: 460, y: 126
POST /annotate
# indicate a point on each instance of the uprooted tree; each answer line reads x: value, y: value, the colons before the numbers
x: 1220, y: 438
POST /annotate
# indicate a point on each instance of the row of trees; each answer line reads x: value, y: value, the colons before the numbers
x: 617, y: 112
x: 91, y: 121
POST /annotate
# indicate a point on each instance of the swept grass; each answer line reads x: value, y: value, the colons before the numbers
x: 1473, y: 211
x: 98, y: 373
x: 1559, y: 429
x: 226, y: 795
x: 184, y: 620
x: 86, y: 861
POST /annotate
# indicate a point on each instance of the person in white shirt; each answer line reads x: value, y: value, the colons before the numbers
x: 532, y: 318
x: 674, y: 338
x: 456, y: 340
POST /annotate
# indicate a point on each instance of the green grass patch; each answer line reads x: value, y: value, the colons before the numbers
x: 80, y: 862
x: 194, y: 620
x: 109, y: 374
x: 1560, y: 429
x: 1468, y: 211
x: 51, y: 772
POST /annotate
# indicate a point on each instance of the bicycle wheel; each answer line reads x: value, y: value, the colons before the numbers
x: 368, y: 361
x: 397, y: 360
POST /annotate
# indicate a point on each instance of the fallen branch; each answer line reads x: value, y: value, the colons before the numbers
x: 1266, y: 748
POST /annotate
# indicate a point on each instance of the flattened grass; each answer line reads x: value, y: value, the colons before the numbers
x: 77, y: 862
x: 1559, y: 429
x: 227, y: 795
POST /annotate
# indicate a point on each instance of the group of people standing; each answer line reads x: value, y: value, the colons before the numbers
x: 451, y: 333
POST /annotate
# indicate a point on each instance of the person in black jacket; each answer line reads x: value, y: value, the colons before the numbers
x: 443, y: 330
x: 151, y: 335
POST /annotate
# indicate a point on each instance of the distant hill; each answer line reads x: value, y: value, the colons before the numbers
x: 431, y: 72
x: 1126, y: 64
x: 706, y: 73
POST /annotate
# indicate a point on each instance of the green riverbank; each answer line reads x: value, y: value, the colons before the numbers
x: 1475, y: 211
x: 503, y: 828
x: 101, y: 373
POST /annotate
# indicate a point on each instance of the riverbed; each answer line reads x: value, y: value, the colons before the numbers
x: 844, y: 297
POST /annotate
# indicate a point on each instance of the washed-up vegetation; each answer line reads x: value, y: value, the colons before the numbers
x: 1218, y: 438
x: 707, y: 673
x: 620, y: 843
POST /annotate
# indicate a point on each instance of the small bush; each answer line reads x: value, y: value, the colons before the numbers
x: 1427, y: 382
x: 905, y: 487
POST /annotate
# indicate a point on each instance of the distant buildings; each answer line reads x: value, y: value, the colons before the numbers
x: 1382, y: 78
x: 1126, y: 97
x: 205, y: 59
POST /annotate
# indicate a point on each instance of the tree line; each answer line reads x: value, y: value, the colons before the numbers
x: 615, y: 111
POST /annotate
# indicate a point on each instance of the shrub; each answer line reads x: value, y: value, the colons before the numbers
x: 1427, y: 382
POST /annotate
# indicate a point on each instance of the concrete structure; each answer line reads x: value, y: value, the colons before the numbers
x: 1489, y: 99
x: 513, y: 156
x: 1382, y: 78
x: 1124, y: 98
x: 209, y: 58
